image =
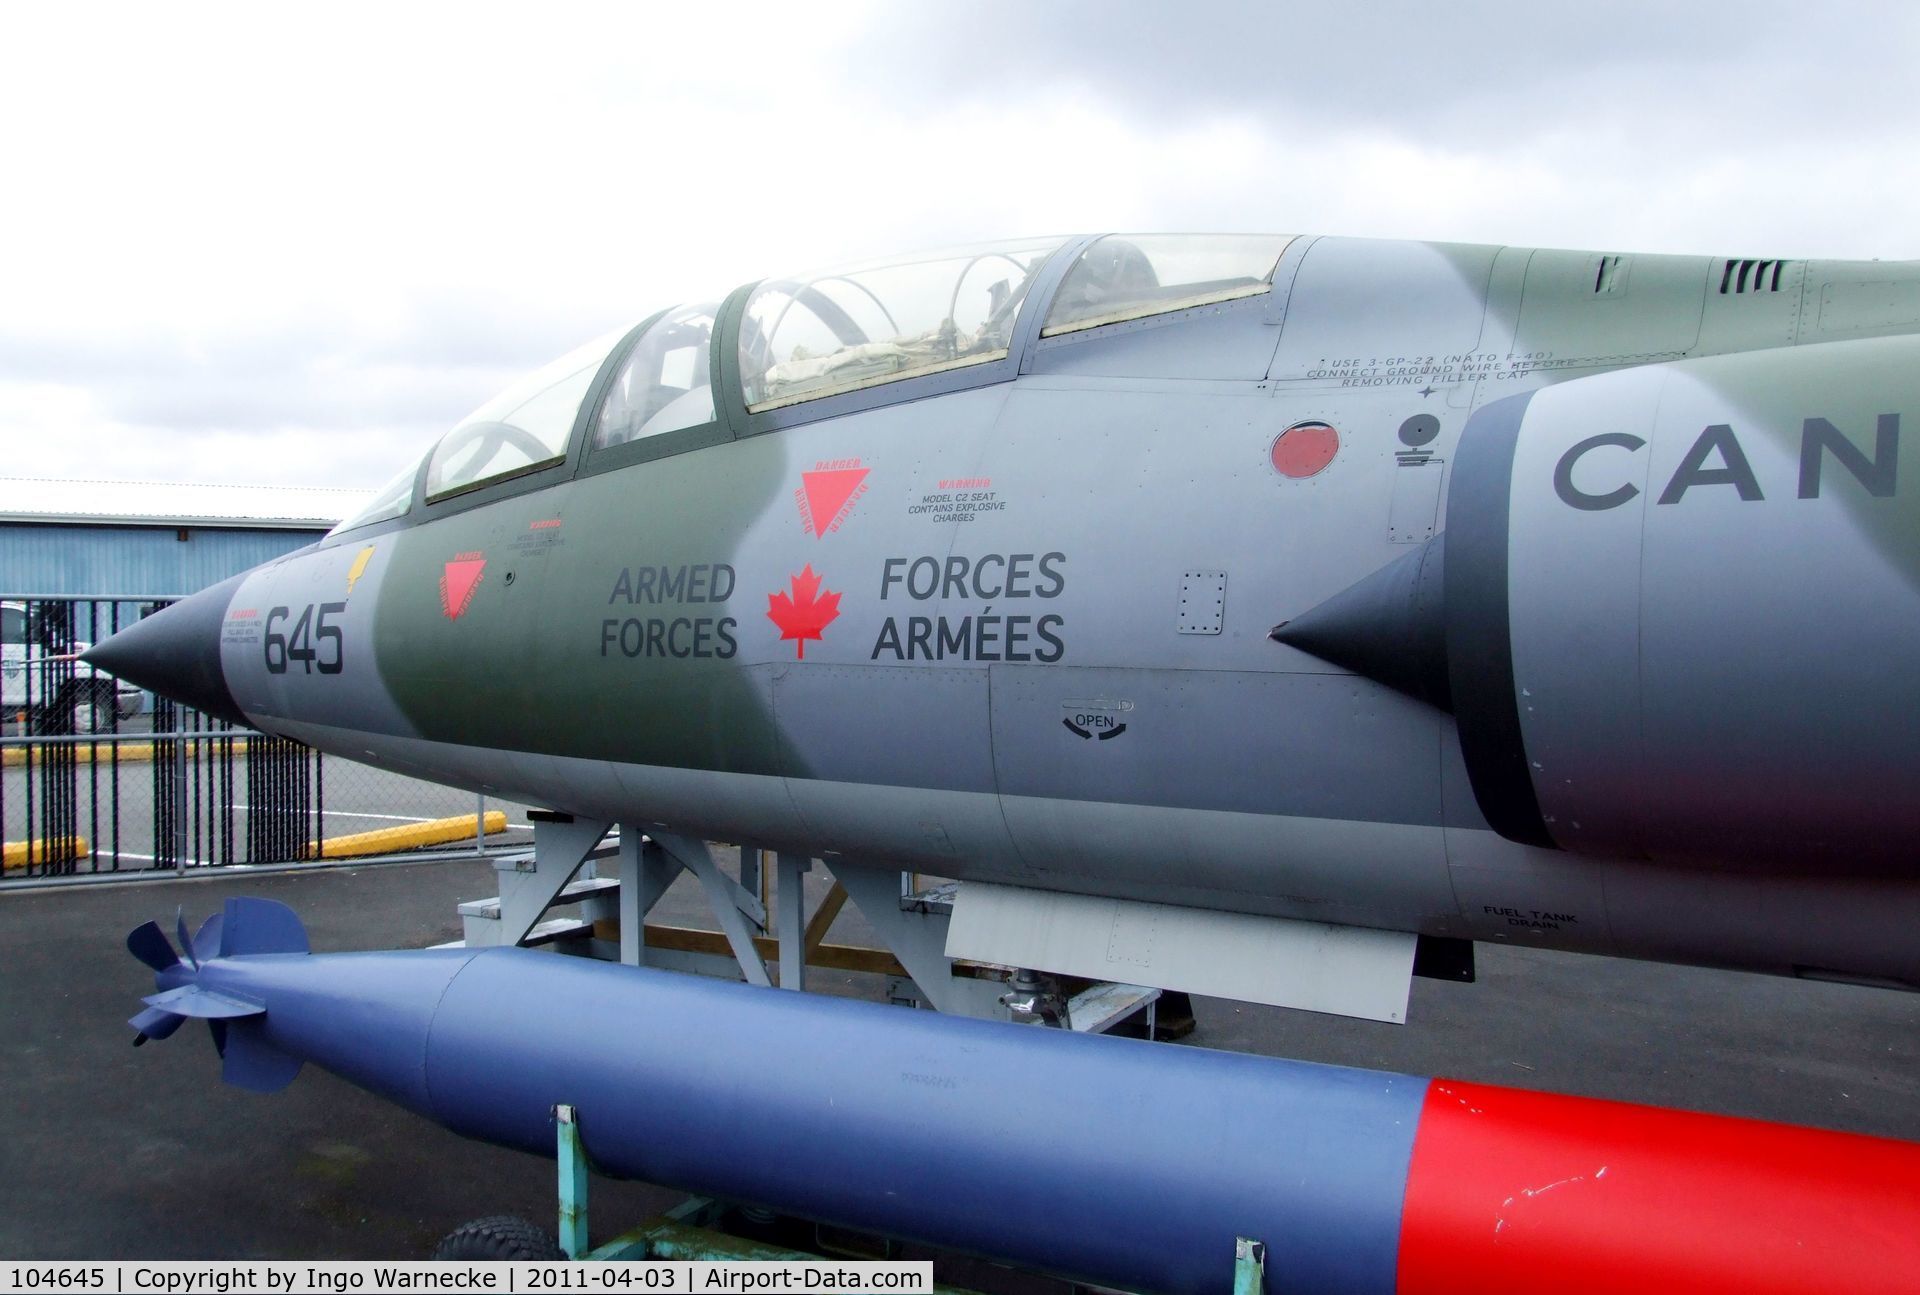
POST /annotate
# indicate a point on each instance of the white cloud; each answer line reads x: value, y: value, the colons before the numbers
x: 249, y: 243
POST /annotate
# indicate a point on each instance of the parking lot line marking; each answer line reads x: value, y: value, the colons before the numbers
x: 348, y: 813
x: 391, y: 818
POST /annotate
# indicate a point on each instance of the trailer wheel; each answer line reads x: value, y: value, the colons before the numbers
x: 501, y: 1237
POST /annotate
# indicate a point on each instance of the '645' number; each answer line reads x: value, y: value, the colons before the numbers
x: 306, y: 641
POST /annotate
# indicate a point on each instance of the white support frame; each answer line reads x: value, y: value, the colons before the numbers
x: 918, y: 940
x: 738, y: 911
x: 790, y: 918
x: 530, y: 884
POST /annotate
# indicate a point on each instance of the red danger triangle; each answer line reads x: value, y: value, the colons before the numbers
x: 457, y: 584
x: 828, y: 494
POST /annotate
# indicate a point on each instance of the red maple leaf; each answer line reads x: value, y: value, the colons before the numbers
x: 804, y: 615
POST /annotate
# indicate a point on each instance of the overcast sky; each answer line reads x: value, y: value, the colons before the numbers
x: 268, y: 244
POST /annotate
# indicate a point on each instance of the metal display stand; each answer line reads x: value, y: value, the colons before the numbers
x: 765, y: 936
x: 687, y: 1231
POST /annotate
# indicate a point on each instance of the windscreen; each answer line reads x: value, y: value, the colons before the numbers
x: 390, y: 501
x: 523, y: 428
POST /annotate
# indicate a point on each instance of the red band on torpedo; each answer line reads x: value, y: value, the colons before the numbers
x: 1513, y: 1191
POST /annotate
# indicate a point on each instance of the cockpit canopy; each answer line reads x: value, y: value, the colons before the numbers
x: 666, y: 382
x: 826, y: 333
x: 523, y: 428
x: 839, y: 330
x: 1131, y: 276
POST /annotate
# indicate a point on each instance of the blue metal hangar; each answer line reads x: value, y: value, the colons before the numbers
x: 150, y: 539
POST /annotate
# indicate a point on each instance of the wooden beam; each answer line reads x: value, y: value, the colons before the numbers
x: 829, y: 957
x: 823, y: 917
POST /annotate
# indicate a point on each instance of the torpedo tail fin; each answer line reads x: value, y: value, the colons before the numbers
x: 245, y: 928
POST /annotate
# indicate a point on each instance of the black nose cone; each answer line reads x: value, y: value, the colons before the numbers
x: 176, y: 652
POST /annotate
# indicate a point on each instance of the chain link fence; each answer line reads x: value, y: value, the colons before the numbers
x: 99, y: 777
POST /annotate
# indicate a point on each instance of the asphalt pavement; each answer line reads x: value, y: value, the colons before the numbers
x: 109, y: 1152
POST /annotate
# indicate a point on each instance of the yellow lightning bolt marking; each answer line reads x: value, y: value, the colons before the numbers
x: 359, y: 567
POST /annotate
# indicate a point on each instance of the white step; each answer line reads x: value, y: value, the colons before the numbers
x: 557, y: 928
x: 486, y: 935
x: 572, y: 893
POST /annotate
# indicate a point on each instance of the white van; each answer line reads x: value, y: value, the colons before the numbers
x: 33, y: 694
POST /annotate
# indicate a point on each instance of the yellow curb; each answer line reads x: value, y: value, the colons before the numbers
x: 102, y: 752
x: 387, y: 840
x: 19, y: 854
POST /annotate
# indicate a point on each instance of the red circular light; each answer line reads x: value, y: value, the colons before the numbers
x: 1305, y: 449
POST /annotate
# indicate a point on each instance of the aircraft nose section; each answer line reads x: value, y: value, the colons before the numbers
x: 176, y: 652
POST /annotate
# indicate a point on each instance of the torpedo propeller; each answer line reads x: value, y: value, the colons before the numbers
x: 187, y: 983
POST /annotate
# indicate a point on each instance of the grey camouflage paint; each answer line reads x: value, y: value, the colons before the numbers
x: 1715, y: 692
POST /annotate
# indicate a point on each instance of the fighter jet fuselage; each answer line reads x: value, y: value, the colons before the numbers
x: 1558, y: 598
